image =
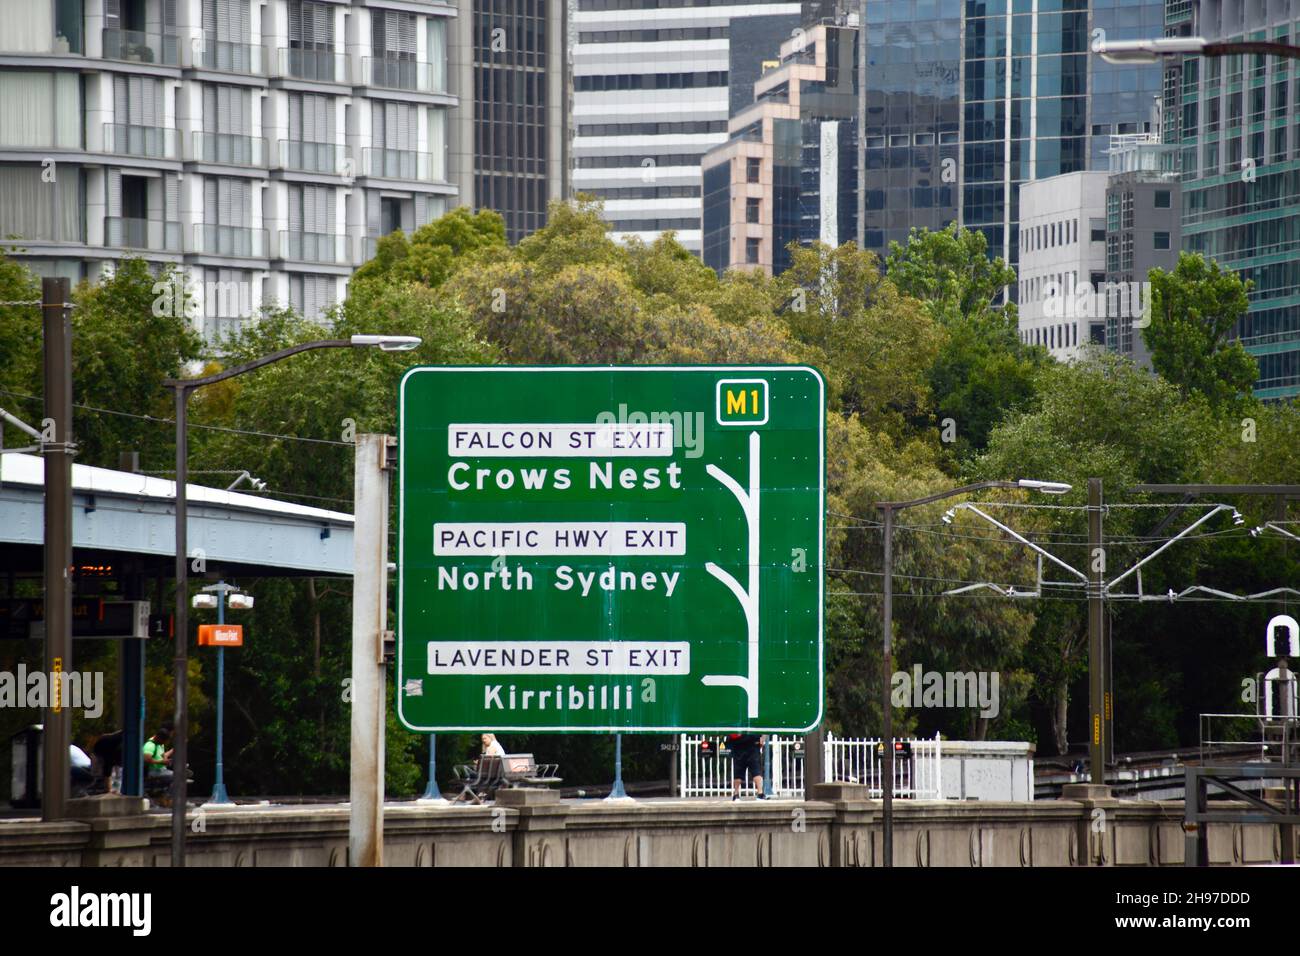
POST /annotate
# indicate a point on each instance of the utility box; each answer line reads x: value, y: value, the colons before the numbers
x: 28, y: 765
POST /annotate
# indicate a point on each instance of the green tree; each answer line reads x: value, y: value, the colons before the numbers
x: 976, y: 632
x: 1194, y: 310
x: 569, y: 294
x: 873, y: 343
x: 1105, y: 418
x: 952, y: 272
x: 981, y: 370
x: 434, y: 250
x: 127, y: 337
x: 20, y: 325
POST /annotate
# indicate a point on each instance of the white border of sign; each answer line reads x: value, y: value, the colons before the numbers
x: 613, y: 728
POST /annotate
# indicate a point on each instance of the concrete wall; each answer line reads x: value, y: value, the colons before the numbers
x: 841, y: 830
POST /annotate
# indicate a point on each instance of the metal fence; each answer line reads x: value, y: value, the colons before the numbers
x: 845, y: 759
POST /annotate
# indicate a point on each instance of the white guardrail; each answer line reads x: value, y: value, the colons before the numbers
x: 845, y: 759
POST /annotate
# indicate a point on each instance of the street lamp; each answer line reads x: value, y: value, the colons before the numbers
x: 220, y: 596
x: 889, y: 508
x: 183, y: 388
x: 1155, y: 50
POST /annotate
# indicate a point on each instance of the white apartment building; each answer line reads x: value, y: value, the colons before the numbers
x: 1063, y: 262
x: 651, y: 97
x: 262, y: 145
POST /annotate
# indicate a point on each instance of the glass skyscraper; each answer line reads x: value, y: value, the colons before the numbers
x: 910, y: 118
x: 964, y: 100
x: 1025, y: 114
x: 1122, y: 98
x: 1240, y: 139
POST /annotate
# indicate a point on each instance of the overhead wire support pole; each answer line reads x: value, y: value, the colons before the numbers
x: 1096, y: 636
x: 57, y: 732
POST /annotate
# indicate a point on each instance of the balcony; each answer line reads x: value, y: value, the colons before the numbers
x: 392, y: 73
x: 401, y: 164
x: 150, y: 234
x: 153, y: 142
x: 227, y: 57
x: 313, y: 247
x: 135, y: 46
x: 232, y: 149
x: 216, y: 240
x: 307, y: 157
x: 324, y: 66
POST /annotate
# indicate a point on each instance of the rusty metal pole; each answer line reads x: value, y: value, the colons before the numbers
x: 180, y: 660
x: 886, y: 683
x: 57, y: 736
x: 1096, y: 637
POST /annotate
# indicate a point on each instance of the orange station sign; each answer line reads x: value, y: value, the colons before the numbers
x: 221, y: 635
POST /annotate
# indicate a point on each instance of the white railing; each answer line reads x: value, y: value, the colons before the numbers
x: 858, y: 760
x: 846, y: 760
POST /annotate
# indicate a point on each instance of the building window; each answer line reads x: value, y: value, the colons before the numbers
x: 752, y: 207
x: 1162, y: 198
x: 751, y: 250
x: 753, y: 165
x: 1161, y: 240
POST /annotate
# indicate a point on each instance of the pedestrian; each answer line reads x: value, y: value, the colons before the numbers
x: 107, y: 752
x: 82, y: 777
x: 491, y: 746
x: 746, y: 757
x: 158, y: 756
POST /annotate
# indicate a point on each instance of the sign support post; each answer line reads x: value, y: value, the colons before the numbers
x: 369, y: 623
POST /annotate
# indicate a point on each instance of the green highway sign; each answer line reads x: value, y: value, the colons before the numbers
x: 611, y: 549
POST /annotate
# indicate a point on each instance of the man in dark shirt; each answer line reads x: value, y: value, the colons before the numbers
x: 746, y: 755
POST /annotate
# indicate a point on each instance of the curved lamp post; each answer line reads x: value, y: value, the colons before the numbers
x: 887, y: 633
x: 1153, y: 51
x: 183, y: 388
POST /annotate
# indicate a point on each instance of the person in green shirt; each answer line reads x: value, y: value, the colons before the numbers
x: 157, y: 755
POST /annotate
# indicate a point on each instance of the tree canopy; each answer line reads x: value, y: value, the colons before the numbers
x: 929, y: 387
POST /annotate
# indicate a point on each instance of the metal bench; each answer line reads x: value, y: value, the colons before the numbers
x: 521, y: 770
x: 479, y: 780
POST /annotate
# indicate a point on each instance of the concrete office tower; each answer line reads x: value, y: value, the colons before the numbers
x: 261, y: 146
x: 1240, y: 164
x: 510, y: 137
x: 1143, y: 232
x: 965, y: 100
x: 1088, y: 241
x: 650, y: 80
x: 1062, y: 244
x: 787, y: 172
